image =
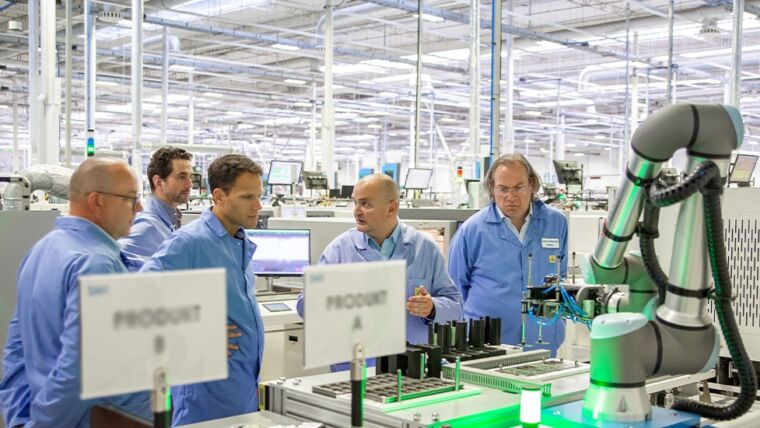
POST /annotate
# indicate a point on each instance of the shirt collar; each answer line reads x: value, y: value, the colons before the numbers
x: 172, y: 215
x: 394, y: 236
x: 82, y: 224
x: 505, y: 218
x: 216, y: 225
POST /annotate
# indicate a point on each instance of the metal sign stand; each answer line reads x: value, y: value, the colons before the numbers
x: 357, y: 386
x: 161, y: 400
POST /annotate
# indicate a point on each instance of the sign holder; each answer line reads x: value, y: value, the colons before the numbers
x: 358, y: 380
x: 161, y: 400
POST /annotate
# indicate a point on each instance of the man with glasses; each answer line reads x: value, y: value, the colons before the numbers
x: 41, y: 360
x: 218, y: 239
x: 489, y: 256
x: 169, y: 172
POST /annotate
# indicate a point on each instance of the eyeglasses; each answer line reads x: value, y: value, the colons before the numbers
x: 134, y: 199
x: 517, y: 191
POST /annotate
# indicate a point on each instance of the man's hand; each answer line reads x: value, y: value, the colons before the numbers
x: 421, y: 304
x: 232, y: 333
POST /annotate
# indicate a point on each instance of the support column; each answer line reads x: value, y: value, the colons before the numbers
x: 508, y: 145
x: 495, y: 77
x: 89, y: 74
x: 164, y: 84
x: 137, y: 83
x: 311, y: 147
x: 35, y: 113
x: 16, y: 154
x: 50, y: 96
x: 415, y: 157
x: 191, y: 110
x: 736, y: 54
x: 68, y: 54
x: 474, y: 66
x: 328, y: 111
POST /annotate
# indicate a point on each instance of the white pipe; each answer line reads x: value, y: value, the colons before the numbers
x: 475, y: 77
x: 164, y: 85
x: 671, y: 22
x: 137, y: 84
x: 68, y: 54
x: 191, y: 111
x: 560, y: 154
x: 509, y: 129
x: 495, y: 78
x: 90, y: 69
x: 415, y: 158
x: 736, y: 54
x: 50, y: 95
x: 312, y: 146
x: 15, y: 158
x: 35, y: 114
x: 328, y: 111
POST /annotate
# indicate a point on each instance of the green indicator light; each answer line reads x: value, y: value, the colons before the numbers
x: 90, y: 147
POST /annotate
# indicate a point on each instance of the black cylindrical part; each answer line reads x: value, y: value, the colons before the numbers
x: 494, y: 332
x: 431, y: 333
x: 461, y: 336
x: 162, y: 419
x: 443, y: 338
x: 357, y: 408
x: 477, y: 330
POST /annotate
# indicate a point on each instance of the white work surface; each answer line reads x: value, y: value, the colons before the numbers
x: 261, y: 419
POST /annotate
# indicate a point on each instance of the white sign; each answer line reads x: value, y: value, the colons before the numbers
x: 355, y: 303
x: 133, y: 324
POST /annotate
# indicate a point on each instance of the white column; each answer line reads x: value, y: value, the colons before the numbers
x: 136, y: 90
x: 508, y: 145
x: 16, y: 154
x: 69, y: 41
x: 736, y: 54
x: 474, y: 79
x: 311, y: 147
x: 50, y: 86
x: 164, y: 85
x: 35, y: 112
x: 328, y: 111
x: 90, y: 69
x: 191, y: 110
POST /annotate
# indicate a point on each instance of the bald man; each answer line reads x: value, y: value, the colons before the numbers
x: 378, y: 236
x: 41, y: 361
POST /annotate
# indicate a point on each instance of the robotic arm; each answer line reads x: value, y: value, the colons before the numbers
x: 678, y: 337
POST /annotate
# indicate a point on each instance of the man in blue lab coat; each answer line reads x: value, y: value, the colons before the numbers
x: 218, y: 239
x: 41, y: 360
x: 169, y: 173
x: 489, y: 253
x: 379, y: 235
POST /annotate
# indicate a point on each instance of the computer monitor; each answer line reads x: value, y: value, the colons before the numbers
x: 280, y: 252
x: 568, y: 172
x: 284, y: 172
x: 742, y: 169
x: 365, y: 172
x: 334, y: 193
x: 418, y: 178
x: 346, y: 191
x: 315, y: 180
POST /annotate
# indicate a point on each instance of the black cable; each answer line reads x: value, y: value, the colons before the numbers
x: 648, y: 232
x: 722, y: 299
x: 689, y: 186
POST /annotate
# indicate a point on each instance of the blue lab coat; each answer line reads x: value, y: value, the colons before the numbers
x: 424, y: 266
x: 205, y: 243
x: 489, y: 264
x: 42, y: 379
x: 149, y: 230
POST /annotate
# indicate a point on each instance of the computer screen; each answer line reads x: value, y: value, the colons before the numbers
x: 568, y: 172
x: 744, y: 166
x: 346, y: 191
x: 284, y: 172
x: 418, y: 178
x: 280, y: 252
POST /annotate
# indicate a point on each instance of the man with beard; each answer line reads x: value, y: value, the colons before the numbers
x: 169, y: 173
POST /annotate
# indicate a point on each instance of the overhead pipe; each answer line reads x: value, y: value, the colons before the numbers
x: 270, y: 39
x: 136, y: 90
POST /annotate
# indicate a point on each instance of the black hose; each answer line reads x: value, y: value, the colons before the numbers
x: 162, y: 419
x: 722, y: 278
x: 357, y: 407
x: 648, y: 232
x: 689, y: 186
